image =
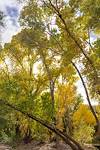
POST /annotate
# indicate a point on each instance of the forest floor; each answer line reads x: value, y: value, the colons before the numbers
x: 41, y: 146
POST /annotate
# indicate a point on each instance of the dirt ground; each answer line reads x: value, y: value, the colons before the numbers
x: 49, y: 146
x: 41, y: 146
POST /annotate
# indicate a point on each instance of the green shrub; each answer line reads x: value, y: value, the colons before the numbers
x: 83, y: 133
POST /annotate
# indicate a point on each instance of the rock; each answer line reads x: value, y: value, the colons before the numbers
x: 47, y: 147
x: 54, y: 146
x: 89, y: 147
x: 4, y: 147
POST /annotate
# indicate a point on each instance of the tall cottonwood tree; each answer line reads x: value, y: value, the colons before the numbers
x: 58, y: 33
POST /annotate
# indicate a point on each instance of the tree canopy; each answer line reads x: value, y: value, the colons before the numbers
x: 57, y: 46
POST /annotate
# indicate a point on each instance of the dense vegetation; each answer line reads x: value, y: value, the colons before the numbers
x: 39, y: 70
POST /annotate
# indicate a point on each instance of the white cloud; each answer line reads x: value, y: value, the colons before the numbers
x: 11, y: 21
x: 3, y: 3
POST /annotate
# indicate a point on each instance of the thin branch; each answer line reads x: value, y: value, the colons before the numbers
x: 57, y: 4
x: 87, y: 95
x: 89, y: 45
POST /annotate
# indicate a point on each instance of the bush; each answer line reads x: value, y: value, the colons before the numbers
x: 84, y: 133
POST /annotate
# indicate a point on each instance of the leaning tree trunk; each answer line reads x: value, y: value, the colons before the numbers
x: 66, y: 138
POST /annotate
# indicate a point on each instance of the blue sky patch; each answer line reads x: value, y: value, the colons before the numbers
x: 12, y: 11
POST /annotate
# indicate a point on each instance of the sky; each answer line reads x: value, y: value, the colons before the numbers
x: 11, y: 9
